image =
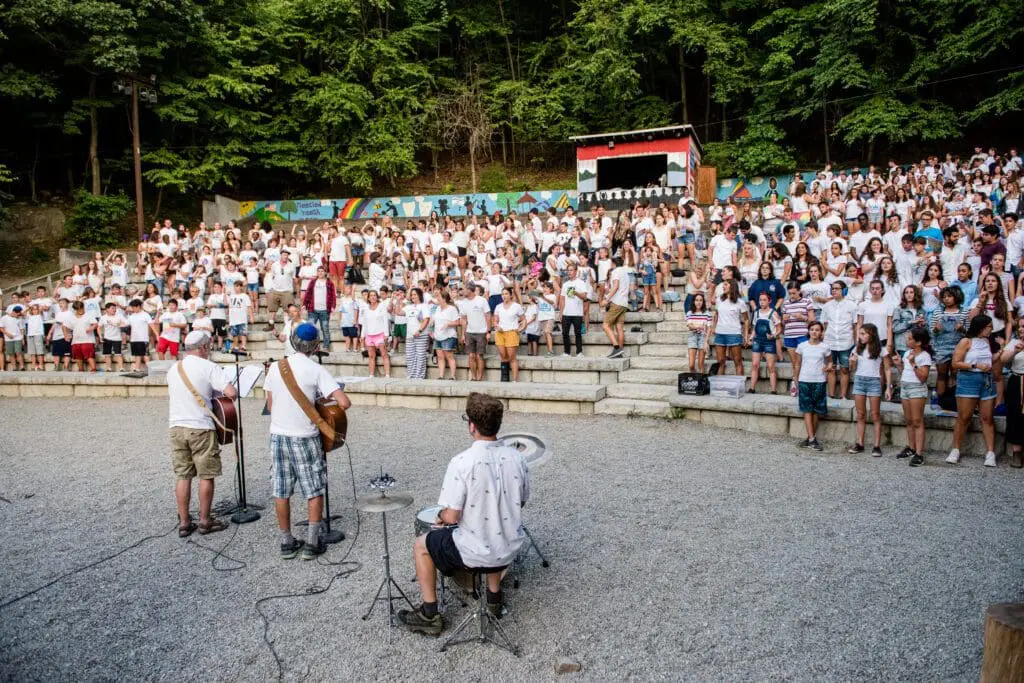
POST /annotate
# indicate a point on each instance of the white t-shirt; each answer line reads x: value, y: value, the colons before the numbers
x: 722, y: 250
x: 282, y: 277
x: 573, y: 304
x: 218, y: 305
x: 840, y: 317
x: 80, y: 333
x: 621, y: 296
x: 812, y: 361
x: 532, y: 325
x: 34, y: 325
x: 112, y: 325
x: 866, y: 366
x: 509, y: 318
x: 475, y: 311
x: 908, y: 375
x: 338, y: 251
x: 320, y: 295
x: 730, y: 316
x: 415, y: 314
x: 546, y: 307
x: 286, y: 416
x: 172, y: 334
x: 12, y: 328
x: 238, y: 309
x: 375, y: 321
x: 443, y: 319
x: 490, y: 531
x: 206, y: 377
x: 876, y: 313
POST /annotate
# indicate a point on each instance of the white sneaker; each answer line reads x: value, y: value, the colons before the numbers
x: 954, y: 456
x: 990, y: 459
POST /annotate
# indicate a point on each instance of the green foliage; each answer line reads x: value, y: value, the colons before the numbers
x: 493, y: 179
x: 93, y: 220
x: 283, y: 95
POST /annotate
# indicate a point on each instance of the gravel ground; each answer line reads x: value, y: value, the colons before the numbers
x: 748, y: 560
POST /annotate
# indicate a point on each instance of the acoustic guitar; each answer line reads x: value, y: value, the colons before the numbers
x: 335, y: 417
x: 225, y: 419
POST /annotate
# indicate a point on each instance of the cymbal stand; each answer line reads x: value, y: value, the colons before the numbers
x: 381, y: 484
x: 523, y: 554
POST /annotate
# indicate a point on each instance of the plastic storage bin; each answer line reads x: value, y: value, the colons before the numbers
x: 728, y: 386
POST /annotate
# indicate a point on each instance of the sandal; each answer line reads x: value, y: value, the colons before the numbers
x: 213, y: 526
x: 186, y: 530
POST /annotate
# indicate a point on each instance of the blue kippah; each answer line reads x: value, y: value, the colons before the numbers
x: 306, y: 332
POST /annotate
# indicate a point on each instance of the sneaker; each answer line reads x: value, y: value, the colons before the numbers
x: 953, y: 457
x: 290, y: 550
x: 855, y: 448
x: 310, y: 552
x: 806, y: 443
x: 905, y: 453
x: 816, y: 446
x: 916, y: 459
x: 417, y: 622
x: 990, y: 459
x: 876, y: 452
x: 549, y: 354
x: 579, y: 355
x: 617, y: 353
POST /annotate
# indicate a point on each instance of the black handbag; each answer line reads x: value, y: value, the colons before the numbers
x: 694, y: 384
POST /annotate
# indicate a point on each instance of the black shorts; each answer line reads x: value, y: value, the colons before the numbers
x: 60, y: 348
x: 111, y: 348
x: 443, y: 552
x: 219, y: 326
x: 462, y: 251
x: 139, y: 349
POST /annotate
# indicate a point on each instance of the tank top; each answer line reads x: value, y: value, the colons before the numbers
x: 980, y: 352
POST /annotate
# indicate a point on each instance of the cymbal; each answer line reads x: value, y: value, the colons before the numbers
x: 532, y: 447
x: 376, y: 502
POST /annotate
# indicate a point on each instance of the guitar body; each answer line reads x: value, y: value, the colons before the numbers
x: 333, y: 415
x: 223, y: 409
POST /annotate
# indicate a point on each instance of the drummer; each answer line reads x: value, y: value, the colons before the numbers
x: 484, y: 490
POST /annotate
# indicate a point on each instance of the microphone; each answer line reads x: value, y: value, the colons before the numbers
x: 239, y: 352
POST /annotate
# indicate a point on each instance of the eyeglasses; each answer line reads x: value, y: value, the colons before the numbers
x: 465, y: 418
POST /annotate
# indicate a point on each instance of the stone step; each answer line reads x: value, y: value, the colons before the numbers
x: 631, y: 407
x: 671, y: 326
x: 674, y: 337
x: 657, y: 363
x: 665, y: 377
x: 665, y: 350
x: 644, y: 392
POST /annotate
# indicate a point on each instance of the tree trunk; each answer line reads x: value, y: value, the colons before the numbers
x: 94, y: 138
x: 824, y: 120
x: 508, y: 43
x: 1003, y: 658
x: 159, y: 200
x: 685, y: 110
x: 707, y: 110
x: 32, y: 174
x: 725, y: 125
x: 472, y: 164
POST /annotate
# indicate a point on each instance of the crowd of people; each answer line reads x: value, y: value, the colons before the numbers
x: 865, y: 282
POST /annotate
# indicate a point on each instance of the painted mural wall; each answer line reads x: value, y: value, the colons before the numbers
x: 756, y: 188
x: 362, y: 208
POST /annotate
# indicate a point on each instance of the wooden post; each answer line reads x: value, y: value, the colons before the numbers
x: 1003, y: 661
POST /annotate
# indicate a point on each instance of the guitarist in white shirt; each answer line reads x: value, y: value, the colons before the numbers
x: 295, y: 449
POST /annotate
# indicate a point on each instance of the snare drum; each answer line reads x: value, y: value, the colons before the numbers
x: 426, y: 519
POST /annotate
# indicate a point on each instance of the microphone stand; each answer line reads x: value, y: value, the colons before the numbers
x: 244, y: 513
x: 327, y: 536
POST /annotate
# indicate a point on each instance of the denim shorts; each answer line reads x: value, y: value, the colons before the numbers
x: 811, y: 397
x: 867, y: 386
x: 727, y: 340
x: 763, y: 346
x: 238, y: 330
x: 687, y: 238
x: 913, y: 390
x: 842, y: 358
x: 446, y: 344
x: 696, y: 340
x: 793, y: 342
x: 975, y: 384
x: 253, y: 287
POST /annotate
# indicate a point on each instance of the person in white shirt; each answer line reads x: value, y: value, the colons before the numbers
x: 812, y: 362
x: 282, y: 287
x: 14, y: 338
x: 111, y: 324
x: 573, y: 294
x: 723, y: 249
x: 82, y: 330
x: 172, y: 322
x: 839, y: 316
x: 476, y: 323
x: 478, y: 528
x: 60, y: 345
x: 296, y: 450
x: 240, y: 314
x: 616, y: 305
x: 194, y: 448
x: 509, y: 321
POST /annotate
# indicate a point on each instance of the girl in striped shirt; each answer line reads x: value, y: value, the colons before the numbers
x: 796, y: 314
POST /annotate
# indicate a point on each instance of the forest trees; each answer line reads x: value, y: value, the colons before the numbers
x: 283, y: 96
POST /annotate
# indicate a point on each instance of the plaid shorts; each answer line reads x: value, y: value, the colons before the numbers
x: 297, y: 458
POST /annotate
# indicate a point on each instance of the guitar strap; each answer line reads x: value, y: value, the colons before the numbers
x: 293, y: 388
x: 199, y: 399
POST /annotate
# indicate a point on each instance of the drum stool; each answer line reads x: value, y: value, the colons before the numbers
x: 489, y: 627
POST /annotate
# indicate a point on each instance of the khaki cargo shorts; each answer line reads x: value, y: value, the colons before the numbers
x: 195, y: 453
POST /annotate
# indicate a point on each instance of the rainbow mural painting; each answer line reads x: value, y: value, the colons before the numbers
x: 362, y: 208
